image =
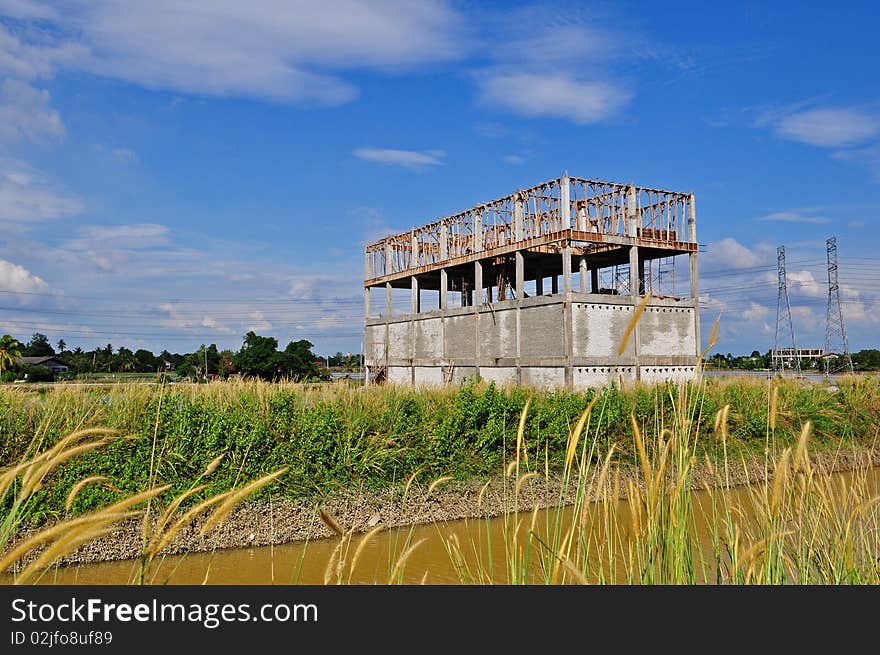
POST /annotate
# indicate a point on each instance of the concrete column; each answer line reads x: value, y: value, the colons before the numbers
x: 389, y: 258
x: 520, y: 274
x: 695, y: 294
x: 414, y: 261
x: 388, y: 305
x: 416, y: 296
x: 692, y: 219
x: 565, y: 203
x: 366, y: 302
x: 368, y: 267
x: 518, y: 218
x: 582, y: 266
x: 594, y: 280
x: 566, y: 269
x: 478, y: 282
x: 478, y: 229
x: 554, y: 284
x: 444, y: 241
x: 631, y: 214
x: 444, y: 288
x: 539, y: 281
x: 642, y: 286
x: 634, y: 271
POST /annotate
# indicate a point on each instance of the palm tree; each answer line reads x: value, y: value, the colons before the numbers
x: 10, y: 350
x: 62, y: 346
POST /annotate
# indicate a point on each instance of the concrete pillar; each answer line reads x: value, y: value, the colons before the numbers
x: 554, y: 284
x: 692, y: 219
x: 642, y: 286
x: 582, y: 266
x: 518, y: 217
x: 539, y: 281
x: 444, y: 241
x: 389, y: 258
x: 566, y: 269
x: 631, y: 213
x: 366, y: 302
x: 416, y: 296
x: 478, y: 282
x: 477, y: 217
x: 594, y: 280
x: 444, y: 288
x: 414, y: 261
x: 388, y: 306
x: 634, y: 271
x: 565, y: 203
x: 520, y: 274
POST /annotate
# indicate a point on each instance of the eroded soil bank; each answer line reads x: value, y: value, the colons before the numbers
x: 279, y: 521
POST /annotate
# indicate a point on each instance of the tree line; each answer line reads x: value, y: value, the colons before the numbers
x: 863, y: 360
x: 259, y: 356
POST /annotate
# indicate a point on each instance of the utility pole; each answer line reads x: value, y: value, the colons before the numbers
x: 783, y: 320
x: 835, y: 330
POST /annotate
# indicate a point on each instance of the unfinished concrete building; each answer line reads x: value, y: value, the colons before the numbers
x: 538, y: 288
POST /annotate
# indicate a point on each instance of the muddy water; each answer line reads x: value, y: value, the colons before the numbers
x: 483, y: 543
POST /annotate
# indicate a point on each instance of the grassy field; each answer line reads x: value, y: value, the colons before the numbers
x: 79, y: 453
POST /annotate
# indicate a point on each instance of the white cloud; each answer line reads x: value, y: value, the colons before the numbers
x: 37, y: 59
x: 551, y: 95
x: 25, y: 113
x: 804, y: 283
x: 17, y: 278
x: 268, y: 49
x: 730, y: 253
x: 869, y: 156
x: 856, y: 224
x: 137, y: 234
x: 27, y: 196
x: 415, y: 160
x: 794, y: 217
x: 258, y: 322
x: 513, y: 159
x: 829, y: 127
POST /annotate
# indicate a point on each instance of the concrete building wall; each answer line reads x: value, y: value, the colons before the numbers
x: 541, y: 329
x: 652, y: 374
x: 498, y: 374
x: 439, y: 347
x: 429, y: 342
x: 542, y: 376
x: 666, y: 330
x: 600, y: 376
x: 599, y: 327
x: 460, y: 335
x: 429, y: 375
x: 498, y: 333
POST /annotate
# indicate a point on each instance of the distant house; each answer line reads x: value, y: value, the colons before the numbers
x: 49, y: 361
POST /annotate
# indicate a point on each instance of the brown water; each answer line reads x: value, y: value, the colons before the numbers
x: 483, y: 542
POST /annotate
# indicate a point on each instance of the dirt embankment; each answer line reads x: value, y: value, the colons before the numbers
x: 277, y: 521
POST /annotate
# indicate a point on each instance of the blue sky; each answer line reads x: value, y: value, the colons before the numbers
x: 174, y: 173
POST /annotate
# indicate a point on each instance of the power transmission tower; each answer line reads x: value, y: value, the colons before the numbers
x: 835, y: 330
x: 781, y: 353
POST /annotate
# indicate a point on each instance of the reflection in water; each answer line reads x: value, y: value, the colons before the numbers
x: 483, y: 543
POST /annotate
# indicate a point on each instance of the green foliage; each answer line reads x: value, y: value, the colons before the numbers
x: 334, y: 437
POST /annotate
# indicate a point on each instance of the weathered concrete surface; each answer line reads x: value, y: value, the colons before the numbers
x: 545, y: 341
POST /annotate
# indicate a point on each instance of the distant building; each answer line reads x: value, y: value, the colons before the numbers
x: 48, y: 361
x: 787, y: 356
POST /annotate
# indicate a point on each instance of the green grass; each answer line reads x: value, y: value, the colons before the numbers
x: 332, y: 437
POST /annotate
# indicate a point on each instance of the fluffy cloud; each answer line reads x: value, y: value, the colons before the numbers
x: 269, y: 49
x: 18, y: 279
x: 551, y: 95
x: 25, y: 113
x: 27, y: 195
x: 794, y: 217
x: 829, y: 127
x: 412, y: 159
